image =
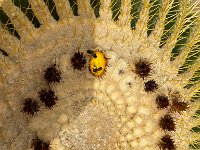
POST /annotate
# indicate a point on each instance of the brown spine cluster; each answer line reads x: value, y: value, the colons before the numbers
x: 78, y: 61
x: 30, y: 106
x: 48, y: 97
x: 143, y: 68
x: 52, y: 74
x: 166, y: 122
x: 39, y: 144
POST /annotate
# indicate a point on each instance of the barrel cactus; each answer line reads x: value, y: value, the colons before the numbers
x: 99, y: 75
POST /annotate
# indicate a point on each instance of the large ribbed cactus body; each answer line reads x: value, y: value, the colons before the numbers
x: 120, y: 110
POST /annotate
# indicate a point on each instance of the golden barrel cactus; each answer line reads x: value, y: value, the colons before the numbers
x: 146, y: 99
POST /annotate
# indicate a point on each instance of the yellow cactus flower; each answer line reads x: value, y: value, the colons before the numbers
x: 98, y: 63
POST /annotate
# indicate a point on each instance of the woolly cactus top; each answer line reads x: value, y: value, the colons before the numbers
x: 146, y: 99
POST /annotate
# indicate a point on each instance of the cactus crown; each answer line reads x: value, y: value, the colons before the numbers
x: 147, y: 98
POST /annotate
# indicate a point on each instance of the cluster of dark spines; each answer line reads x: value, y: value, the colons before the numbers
x: 38, y: 144
x: 52, y: 74
x: 30, y: 106
x: 48, y: 98
x: 162, y: 101
x: 166, y: 143
x: 150, y: 86
x: 167, y: 123
x: 78, y: 61
x: 178, y: 106
x: 143, y: 68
